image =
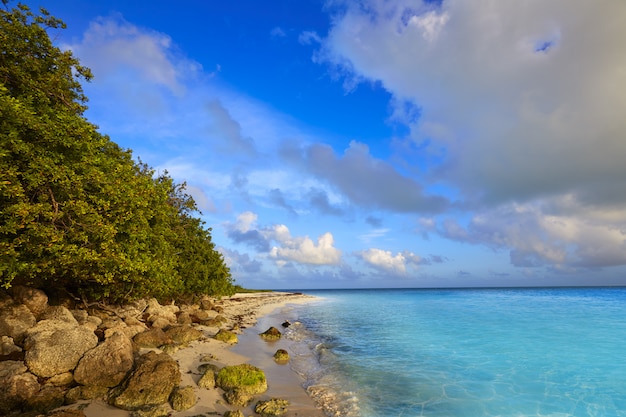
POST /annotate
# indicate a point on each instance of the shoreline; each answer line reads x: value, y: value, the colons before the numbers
x: 248, y: 314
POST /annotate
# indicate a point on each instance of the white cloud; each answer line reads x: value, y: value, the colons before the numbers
x: 303, y: 249
x: 387, y: 261
x: 513, y: 105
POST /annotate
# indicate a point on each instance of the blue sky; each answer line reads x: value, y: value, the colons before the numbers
x: 376, y: 143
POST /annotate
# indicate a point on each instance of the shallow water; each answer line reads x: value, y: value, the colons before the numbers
x: 449, y: 353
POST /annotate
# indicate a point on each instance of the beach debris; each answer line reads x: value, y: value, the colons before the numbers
x: 183, y: 398
x: 241, y: 383
x: 150, y: 384
x: 281, y: 356
x: 226, y: 336
x: 273, y: 407
x: 271, y: 334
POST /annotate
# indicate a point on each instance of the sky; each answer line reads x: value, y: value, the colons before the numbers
x: 376, y: 143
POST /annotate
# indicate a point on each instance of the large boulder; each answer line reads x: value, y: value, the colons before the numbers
x: 53, y: 347
x: 150, y: 384
x: 15, y: 320
x: 107, y: 364
x: 18, y: 385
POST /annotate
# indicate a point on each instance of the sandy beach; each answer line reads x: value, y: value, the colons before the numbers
x: 253, y: 313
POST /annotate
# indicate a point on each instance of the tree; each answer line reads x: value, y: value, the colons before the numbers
x: 76, y: 212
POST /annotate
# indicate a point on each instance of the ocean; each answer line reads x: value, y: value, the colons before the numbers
x: 540, y: 352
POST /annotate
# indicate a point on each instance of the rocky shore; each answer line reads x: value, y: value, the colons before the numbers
x: 64, y: 359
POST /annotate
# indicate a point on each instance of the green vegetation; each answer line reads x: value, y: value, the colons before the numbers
x: 244, y: 378
x: 77, y: 213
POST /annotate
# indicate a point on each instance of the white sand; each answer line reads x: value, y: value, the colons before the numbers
x: 244, y: 310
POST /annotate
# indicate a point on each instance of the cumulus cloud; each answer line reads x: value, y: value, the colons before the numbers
x: 240, y: 262
x: 511, y: 104
x: 365, y: 180
x: 278, y: 243
x: 388, y: 262
x: 112, y: 44
x: 541, y: 235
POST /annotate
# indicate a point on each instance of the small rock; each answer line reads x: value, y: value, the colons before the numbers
x: 271, y: 334
x: 226, y: 336
x: 8, y: 346
x: 208, y: 379
x: 273, y: 407
x: 184, y: 334
x: 17, y: 385
x: 68, y: 412
x: 85, y: 392
x: 60, y: 380
x: 240, y: 383
x: 281, y: 356
x: 35, y: 300
x: 236, y: 413
x: 152, y: 338
x: 286, y: 323
x: 183, y: 398
x: 48, y: 398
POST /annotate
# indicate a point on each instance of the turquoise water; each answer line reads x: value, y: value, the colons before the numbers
x: 450, y: 353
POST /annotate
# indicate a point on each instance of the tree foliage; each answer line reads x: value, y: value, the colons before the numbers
x: 76, y: 211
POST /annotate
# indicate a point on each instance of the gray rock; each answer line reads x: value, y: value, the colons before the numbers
x: 53, y: 347
x: 107, y: 364
x: 17, y: 385
x: 15, y: 320
x: 150, y: 384
x: 273, y: 407
x: 184, y: 334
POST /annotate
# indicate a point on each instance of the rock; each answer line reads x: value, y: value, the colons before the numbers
x: 160, y: 323
x: 107, y: 364
x: 15, y: 321
x: 8, y: 346
x: 183, y: 398
x: 59, y: 313
x: 53, y: 347
x: 286, y: 324
x: 48, y: 398
x: 273, y: 407
x: 281, y: 356
x: 208, y: 379
x: 271, y: 334
x: 184, y: 334
x: 60, y: 380
x: 152, y: 338
x: 35, y: 300
x: 226, y: 336
x: 184, y: 318
x: 161, y: 316
x: 241, y: 382
x: 150, y: 384
x: 17, y: 385
x: 206, y: 304
x: 163, y: 410
x: 68, y: 412
x: 236, y: 413
x: 85, y: 392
